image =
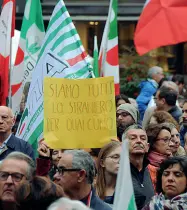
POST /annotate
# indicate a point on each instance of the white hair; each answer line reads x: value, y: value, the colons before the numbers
x: 154, y: 70
x: 67, y: 204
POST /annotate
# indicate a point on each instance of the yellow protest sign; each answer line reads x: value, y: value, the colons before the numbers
x: 79, y: 113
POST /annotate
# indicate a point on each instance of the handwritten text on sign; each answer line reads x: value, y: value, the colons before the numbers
x: 79, y: 113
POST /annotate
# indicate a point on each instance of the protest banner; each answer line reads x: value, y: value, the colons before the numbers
x: 79, y: 113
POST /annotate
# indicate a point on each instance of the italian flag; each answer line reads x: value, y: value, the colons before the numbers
x: 7, y: 25
x: 162, y: 23
x: 108, y: 56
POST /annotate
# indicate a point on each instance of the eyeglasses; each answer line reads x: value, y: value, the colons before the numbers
x: 16, y: 177
x: 166, y: 140
x: 62, y: 169
x: 123, y: 114
x: 115, y: 158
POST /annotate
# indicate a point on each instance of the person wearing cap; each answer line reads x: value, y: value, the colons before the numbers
x: 126, y: 115
x: 141, y: 179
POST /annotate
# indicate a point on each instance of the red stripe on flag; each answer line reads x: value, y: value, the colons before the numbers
x: 15, y: 88
x: 77, y: 59
x: 112, y: 56
x: 117, y: 89
x: 23, y: 126
x: 4, y: 72
x: 19, y: 56
x: 13, y: 18
x: 100, y: 60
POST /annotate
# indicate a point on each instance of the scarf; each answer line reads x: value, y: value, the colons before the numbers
x: 156, y: 158
x: 159, y: 202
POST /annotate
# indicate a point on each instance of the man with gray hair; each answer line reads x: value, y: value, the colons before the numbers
x: 14, y: 170
x: 149, y: 88
x: 8, y: 142
x: 138, y: 147
x: 75, y: 173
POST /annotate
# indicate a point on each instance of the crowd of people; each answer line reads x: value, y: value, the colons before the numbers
x: 155, y: 126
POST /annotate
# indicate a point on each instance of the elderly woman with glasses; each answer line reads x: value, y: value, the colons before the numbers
x: 171, y: 185
x: 107, y: 170
x: 159, y: 137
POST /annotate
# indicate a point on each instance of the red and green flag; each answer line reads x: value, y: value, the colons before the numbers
x: 108, y: 56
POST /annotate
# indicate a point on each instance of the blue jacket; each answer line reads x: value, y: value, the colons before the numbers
x: 15, y: 144
x: 183, y: 131
x: 97, y: 203
x: 148, y: 89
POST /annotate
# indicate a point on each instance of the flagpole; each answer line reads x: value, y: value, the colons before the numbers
x: 10, y: 76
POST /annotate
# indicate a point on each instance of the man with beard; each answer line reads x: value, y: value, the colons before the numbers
x: 126, y: 115
x: 183, y: 130
x: 138, y: 147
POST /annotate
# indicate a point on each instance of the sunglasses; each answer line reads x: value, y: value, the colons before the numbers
x: 16, y: 177
x: 62, y: 169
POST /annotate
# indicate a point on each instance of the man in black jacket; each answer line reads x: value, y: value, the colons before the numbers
x: 138, y: 147
x: 75, y: 173
x: 8, y: 142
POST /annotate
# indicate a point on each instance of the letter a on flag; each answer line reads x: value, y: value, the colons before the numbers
x: 162, y: 22
x: 6, y: 32
x: 108, y: 55
x: 62, y: 55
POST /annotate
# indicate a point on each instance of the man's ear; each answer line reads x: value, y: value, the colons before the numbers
x: 148, y: 146
x: 13, y: 121
x: 81, y: 175
x: 163, y: 101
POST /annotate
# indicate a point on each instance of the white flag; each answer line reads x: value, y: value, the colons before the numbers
x: 63, y: 56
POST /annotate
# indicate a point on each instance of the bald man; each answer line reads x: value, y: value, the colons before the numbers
x: 8, y: 142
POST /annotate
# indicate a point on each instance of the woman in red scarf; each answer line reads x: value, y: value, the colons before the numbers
x: 159, y: 137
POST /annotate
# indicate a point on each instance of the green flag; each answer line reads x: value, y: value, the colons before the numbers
x: 96, y: 64
x: 62, y: 55
x: 32, y: 35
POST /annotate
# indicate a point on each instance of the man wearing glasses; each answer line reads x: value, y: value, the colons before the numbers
x: 14, y: 169
x: 8, y: 142
x: 138, y: 147
x: 75, y: 173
